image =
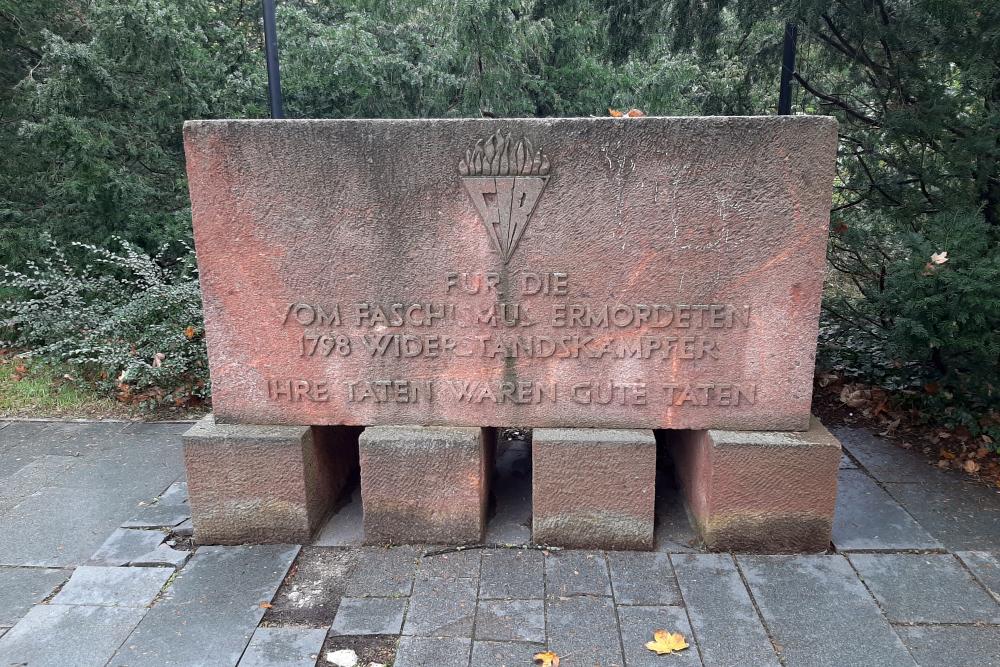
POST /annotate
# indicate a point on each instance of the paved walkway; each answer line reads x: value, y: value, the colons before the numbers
x: 96, y: 569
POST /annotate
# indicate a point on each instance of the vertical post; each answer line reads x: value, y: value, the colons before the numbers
x: 787, y: 69
x: 271, y: 52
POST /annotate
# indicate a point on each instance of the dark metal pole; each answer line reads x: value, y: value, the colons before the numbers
x: 787, y: 69
x: 271, y: 51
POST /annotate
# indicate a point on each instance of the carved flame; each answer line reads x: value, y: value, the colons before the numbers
x: 500, y: 156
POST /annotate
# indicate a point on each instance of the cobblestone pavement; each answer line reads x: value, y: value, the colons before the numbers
x: 96, y: 569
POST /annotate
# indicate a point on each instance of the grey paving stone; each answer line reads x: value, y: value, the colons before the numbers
x: 40, y: 473
x: 124, y: 545
x: 846, y: 463
x: 576, y: 573
x: 113, y: 586
x: 453, y: 565
x: 638, y: 625
x: 643, y: 578
x: 346, y: 527
x: 21, y: 443
x: 511, y: 485
x: 504, y: 654
x: 59, y: 527
x: 820, y: 613
x: 436, y: 651
x: 964, y: 516
x: 512, y: 574
x: 369, y: 616
x: 162, y: 556
x: 211, y: 610
x: 3, y: 631
x: 868, y: 518
x: 283, y: 647
x: 985, y: 568
x: 159, y: 516
x: 674, y: 532
x: 184, y: 528
x: 441, y: 608
x: 511, y: 620
x: 586, y: 628
x: 21, y: 587
x: 954, y: 646
x: 925, y: 588
x: 68, y: 636
x: 383, y: 572
x: 884, y: 460
x: 175, y: 494
x: 728, y: 629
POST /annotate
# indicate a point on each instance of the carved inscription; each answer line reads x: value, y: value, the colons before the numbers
x: 664, y: 338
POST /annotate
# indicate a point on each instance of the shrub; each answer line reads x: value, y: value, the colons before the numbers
x: 130, y: 322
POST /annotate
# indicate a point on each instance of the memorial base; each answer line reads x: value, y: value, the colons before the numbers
x: 765, y: 492
x: 425, y: 484
x: 593, y: 488
x: 264, y: 484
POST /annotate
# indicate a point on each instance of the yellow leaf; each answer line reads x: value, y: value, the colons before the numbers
x: 666, y: 642
x: 189, y: 332
x: 547, y: 659
x: 615, y: 113
x: 635, y: 113
x: 265, y: 605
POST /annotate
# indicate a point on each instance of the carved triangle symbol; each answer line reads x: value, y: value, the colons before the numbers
x: 505, y: 204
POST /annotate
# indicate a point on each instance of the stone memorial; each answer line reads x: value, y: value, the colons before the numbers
x: 611, y: 283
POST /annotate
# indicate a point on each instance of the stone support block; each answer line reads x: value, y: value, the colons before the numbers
x: 767, y: 492
x: 593, y: 488
x: 264, y: 484
x: 425, y: 484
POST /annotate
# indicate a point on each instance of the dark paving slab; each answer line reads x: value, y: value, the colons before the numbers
x: 576, y: 573
x: 643, y: 578
x: 504, y: 654
x: 962, y: 515
x: 162, y: 556
x: 725, y: 623
x: 673, y: 532
x: 884, y: 460
x: 427, y: 651
x: 22, y: 443
x: 311, y: 592
x: 846, y: 463
x: 283, y: 647
x: 925, y: 588
x: 820, y: 613
x: 585, y: 628
x: 124, y: 545
x: 453, y: 565
x: 442, y: 608
x: 512, y: 574
x: 985, y: 567
x: 158, y: 516
x: 954, y: 646
x: 383, y: 572
x: 511, y: 621
x: 638, y: 625
x: 211, y: 610
x: 63, y: 636
x: 868, y: 518
x: 40, y: 473
x: 113, y: 586
x: 369, y: 616
x: 21, y: 587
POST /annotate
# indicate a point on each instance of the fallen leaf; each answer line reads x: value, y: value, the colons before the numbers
x: 189, y: 332
x: 939, y: 257
x: 666, y: 642
x: 615, y: 113
x: 947, y: 454
x: 970, y: 466
x: 636, y: 113
x: 547, y: 659
x: 265, y: 605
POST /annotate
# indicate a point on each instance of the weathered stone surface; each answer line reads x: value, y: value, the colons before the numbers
x: 21, y: 587
x: 61, y: 635
x: 985, y: 567
x: 586, y: 627
x: 819, y: 614
x: 425, y: 484
x: 113, y: 586
x: 510, y: 620
x: 729, y: 631
x: 283, y: 647
x: 512, y: 574
x: 125, y: 544
x: 925, y: 588
x: 264, y: 483
x: 963, y: 516
x: 383, y: 573
x: 760, y: 492
x: 437, y: 651
x: 639, y: 578
x: 503, y: 654
x: 647, y: 282
x: 369, y: 616
x: 951, y: 645
x: 593, y: 488
x: 452, y: 565
x: 637, y: 627
x: 442, y: 608
x: 576, y: 573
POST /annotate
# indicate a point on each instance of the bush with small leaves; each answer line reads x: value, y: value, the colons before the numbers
x: 132, y: 323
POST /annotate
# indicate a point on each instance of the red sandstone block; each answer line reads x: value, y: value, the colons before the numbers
x: 264, y: 484
x: 616, y: 273
x: 593, y: 488
x: 757, y: 491
x: 425, y: 484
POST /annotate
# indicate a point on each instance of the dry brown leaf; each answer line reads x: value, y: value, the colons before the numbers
x: 666, y: 642
x: 636, y: 113
x: 189, y: 332
x: 265, y: 605
x: 615, y: 113
x: 547, y: 659
x: 970, y: 466
x: 946, y: 454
